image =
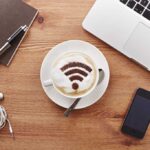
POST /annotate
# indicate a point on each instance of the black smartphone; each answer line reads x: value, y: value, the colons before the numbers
x: 138, y: 117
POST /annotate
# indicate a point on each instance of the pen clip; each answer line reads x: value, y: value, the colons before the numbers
x: 17, y: 32
x: 5, y: 46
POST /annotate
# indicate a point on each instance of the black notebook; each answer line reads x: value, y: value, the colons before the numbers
x: 13, y: 14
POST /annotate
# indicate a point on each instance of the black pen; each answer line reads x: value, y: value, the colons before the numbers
x: 12, y: 38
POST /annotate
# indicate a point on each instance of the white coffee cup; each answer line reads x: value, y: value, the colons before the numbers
x: 50, y: 82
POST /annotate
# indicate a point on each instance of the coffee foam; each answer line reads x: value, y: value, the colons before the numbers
x: 63, y: 83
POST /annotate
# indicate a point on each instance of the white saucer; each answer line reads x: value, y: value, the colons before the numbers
x: 79, y: 46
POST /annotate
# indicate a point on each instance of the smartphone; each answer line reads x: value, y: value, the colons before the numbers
x: 138, y: 117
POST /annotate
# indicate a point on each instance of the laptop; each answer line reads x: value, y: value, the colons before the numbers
x: 123, y: 24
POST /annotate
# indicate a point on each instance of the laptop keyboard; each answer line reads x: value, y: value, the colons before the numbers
x: 140, y: 6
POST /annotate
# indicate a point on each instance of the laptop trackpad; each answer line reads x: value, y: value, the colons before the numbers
x: 138, y: 45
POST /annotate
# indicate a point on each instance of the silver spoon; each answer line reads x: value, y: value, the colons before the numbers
x: 72, y: 107
x: 1, y: 96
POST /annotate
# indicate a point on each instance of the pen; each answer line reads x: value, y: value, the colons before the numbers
x: 12, y: 38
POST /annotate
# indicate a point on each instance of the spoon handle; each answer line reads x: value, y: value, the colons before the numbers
x: 71, y: 108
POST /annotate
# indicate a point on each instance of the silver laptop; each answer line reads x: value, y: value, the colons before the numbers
x: 123, y: 24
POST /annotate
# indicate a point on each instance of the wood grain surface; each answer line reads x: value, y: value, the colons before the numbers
x: 37, y: 122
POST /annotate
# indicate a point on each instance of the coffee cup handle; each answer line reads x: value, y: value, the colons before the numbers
x: 48, y: 83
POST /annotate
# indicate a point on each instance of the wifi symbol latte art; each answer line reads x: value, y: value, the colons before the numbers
x: 73, y: 71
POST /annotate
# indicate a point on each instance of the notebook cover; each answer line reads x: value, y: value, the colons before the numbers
x: 13, y: 14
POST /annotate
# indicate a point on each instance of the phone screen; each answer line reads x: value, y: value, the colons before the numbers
x: 138, y: 117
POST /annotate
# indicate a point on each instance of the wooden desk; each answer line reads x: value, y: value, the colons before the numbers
x: 38, y: 123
